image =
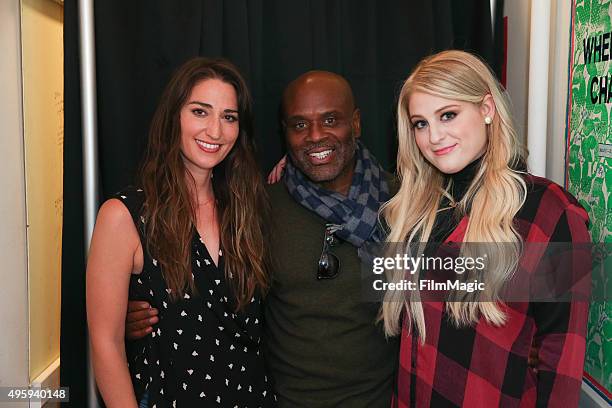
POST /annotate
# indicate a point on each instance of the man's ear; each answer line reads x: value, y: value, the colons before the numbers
x: 487, y: 107
x: 356, y: 121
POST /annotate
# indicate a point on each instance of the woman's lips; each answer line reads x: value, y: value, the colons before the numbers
x: 444, y: 150
x: 208, y: 147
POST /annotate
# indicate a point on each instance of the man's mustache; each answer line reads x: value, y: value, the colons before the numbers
x: 319, y: 145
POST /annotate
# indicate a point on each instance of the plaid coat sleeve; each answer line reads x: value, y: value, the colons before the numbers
x: 560, y: 326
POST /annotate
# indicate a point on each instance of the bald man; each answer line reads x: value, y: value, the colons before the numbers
x: 321, y: 126
x: 323, y: 347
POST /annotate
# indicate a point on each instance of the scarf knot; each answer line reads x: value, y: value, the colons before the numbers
x: 357, y: 213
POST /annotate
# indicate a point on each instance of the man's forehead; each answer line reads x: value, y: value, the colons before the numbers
x: 318, y: 91
x: 317, y: 98
x: 321, y: 86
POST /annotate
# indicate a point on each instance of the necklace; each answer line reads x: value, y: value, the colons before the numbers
x: 452, y: 204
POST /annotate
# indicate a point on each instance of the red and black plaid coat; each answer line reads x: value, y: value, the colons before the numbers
x: 486, y: 366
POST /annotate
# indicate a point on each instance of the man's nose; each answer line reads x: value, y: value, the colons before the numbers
x: 316, y: 132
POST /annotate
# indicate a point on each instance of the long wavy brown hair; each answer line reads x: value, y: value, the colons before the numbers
x: 169, y: 208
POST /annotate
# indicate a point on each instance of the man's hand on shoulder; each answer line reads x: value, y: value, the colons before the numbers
x: 139, y: 320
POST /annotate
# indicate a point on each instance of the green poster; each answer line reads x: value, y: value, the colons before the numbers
x: 589, y: 161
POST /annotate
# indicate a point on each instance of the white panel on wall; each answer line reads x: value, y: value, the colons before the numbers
x: 13, y: 260
x: 518, y: 14
x: 558, y: 90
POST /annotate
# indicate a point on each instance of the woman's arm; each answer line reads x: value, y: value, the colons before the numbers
x: 276, y: 174
x: 110, y: 263
x: 561, y: 326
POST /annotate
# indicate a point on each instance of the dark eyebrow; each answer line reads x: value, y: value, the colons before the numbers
x: 294, y: 117
x: 332, y: 112
x: 324, y: 114
x: 202, y: 104
x: 209, y: 106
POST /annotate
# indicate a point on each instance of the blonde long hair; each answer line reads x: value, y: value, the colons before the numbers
x: 493, y: 198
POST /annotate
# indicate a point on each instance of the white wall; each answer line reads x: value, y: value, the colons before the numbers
x: 13, y: 259
x: 517, y: 70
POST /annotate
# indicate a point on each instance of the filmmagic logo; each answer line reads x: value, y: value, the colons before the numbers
x: 428, y: 284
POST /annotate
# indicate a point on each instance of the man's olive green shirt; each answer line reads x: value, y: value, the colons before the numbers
x: 324, y: 348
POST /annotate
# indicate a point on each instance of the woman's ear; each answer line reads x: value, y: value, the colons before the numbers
x: 487, y: 107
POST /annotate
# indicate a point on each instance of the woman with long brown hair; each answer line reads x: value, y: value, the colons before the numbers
x: 189, y: 241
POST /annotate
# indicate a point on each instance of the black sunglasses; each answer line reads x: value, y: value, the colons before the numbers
x: 329, y: 265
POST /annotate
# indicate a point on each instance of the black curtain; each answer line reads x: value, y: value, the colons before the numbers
x: 373, y: 43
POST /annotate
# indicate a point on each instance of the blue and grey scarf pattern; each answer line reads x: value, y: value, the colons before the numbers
x: 357, y: 213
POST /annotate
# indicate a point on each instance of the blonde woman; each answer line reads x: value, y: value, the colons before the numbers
x: 463, y: 179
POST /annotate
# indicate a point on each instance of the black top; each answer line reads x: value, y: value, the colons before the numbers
x: 200, y: 353
x: 448, y: 217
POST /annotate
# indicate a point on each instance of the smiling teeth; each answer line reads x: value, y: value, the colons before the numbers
x: 321, y: 155
x: 207, y: 145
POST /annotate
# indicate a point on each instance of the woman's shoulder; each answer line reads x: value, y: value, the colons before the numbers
x: 545, y: 192
x: 124, y: 206
x: 546, y: 203
x: 129, y: 193
x: 132, y: 197
x: 115, y: 219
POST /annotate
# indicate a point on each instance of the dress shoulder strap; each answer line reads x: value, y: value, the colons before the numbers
x: 133, y: 199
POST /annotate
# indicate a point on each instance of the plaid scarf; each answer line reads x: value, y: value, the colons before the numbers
x: 357, y: 213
